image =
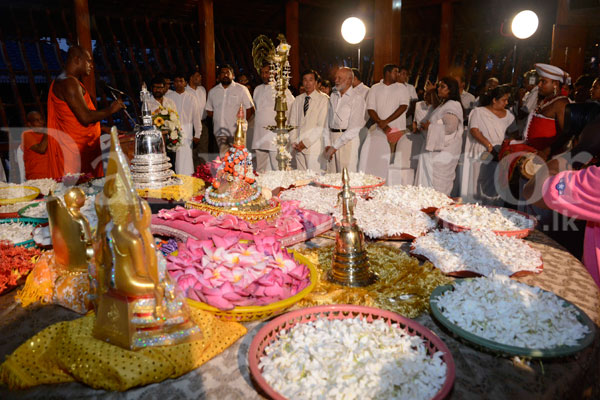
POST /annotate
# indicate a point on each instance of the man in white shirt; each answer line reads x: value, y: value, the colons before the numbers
x: 386, y: 104
x: 309, y: 114
x: 263, y: 140
x: 195, y: 87
x: 222, y: 105
x: 346, y: 116
x: 402, y: 79
x: 190, y: 119
x: 158, y: 100
x: 467, y: 100
x: 357, y: 84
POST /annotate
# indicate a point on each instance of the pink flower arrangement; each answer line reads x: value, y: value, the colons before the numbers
x: 226, y: 273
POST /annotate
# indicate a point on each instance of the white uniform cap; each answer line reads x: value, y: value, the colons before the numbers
x: 551, y: 72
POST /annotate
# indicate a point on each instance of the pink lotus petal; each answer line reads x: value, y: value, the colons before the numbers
x: 219, y: 302
x: 232, y: 297
x: 185, y: 282
x: 300, y: 272
x: 274, y: 290
x: 196, y: 295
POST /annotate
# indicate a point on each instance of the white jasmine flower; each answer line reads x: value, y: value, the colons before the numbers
x: 357, y: 179
x: 512, y: 313
x: 411, y: 197
x: 474, y: 216
x: 321, y: 200
x: 380, y: 219
x: 16, y: 232
x: 351, y: 359
x: 479, y: 251
x: 284, y: 179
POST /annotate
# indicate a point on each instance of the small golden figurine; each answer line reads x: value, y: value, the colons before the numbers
x: 62, y: 277
x: 70, y: 230
x: 138, y: 305
x: 350, y: 265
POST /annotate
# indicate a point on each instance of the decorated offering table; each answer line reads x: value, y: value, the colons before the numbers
x: 479, y: 374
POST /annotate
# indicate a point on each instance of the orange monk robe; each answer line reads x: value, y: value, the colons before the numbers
x: 36, y: 164
x: 72, y: 147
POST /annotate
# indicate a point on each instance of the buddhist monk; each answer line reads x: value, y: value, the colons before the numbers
x: 73, y: 121
x: 34, y: 143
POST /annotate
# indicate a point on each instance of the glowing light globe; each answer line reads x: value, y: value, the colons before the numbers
x: 353, y: 30
x: 524, y: 24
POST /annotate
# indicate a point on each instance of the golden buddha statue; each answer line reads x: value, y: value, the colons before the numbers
x: 138, y: 305
x: 62, y: 276
x: 70, y: 231
x: 235, y: 190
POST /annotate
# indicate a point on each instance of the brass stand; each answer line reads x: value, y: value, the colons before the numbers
x: 350, y: 265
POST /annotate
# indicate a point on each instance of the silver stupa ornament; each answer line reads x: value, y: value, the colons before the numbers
x: 150, y: 167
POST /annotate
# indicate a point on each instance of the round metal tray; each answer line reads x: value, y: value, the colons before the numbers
x: 508, y: 350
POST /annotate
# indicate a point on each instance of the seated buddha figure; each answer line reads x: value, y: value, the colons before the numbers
x: 138, y: 305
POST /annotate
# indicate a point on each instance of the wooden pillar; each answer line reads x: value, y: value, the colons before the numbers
x: 445, y: 39
x: 84, y: 39
x: 206, y: 22
x: 569, y: 36
x: 396, y: 31
x: 382, y: 36
x: 292, y: 14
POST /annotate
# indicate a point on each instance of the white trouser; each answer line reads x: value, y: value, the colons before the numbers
x: 266, y: 161
x: 346, y: 156
x: 184, y: 161
x: 306, y: 161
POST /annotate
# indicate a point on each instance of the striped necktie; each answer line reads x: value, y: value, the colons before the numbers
x: 306, y: 100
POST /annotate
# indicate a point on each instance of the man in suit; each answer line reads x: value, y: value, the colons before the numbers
x: 309, y: 114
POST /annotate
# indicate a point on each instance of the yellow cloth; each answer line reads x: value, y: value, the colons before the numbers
x: 49, y: 283
x: 67, y: 352
x: 189, y: 188
x: 404, y: 286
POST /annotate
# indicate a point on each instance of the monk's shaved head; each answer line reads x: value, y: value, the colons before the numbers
x: 32, y: 115
x: 79, y: 61
x: 35, y: 120
x: 76, y: 51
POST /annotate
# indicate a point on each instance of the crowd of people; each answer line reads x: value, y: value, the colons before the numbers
x: 483, y: 149
x: 444, y: 137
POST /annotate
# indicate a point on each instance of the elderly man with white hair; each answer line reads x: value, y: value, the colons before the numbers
x: 346, y: 116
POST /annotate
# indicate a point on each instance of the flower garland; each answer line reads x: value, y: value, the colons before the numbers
x: 15, y: 263
x: 167, y: 121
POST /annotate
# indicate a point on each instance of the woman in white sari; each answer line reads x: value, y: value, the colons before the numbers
x: 487, y: 129
x: 443, y: 142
